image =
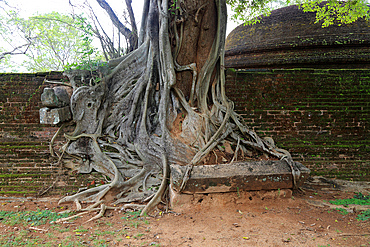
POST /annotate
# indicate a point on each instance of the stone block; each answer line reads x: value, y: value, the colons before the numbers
x: 55, y: 97
x: 247, y: 176
x: 55, y: 116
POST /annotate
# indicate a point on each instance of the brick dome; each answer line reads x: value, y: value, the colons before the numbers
x: 290, y: 38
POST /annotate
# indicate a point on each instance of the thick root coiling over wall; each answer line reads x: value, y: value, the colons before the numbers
x: 127, y: 124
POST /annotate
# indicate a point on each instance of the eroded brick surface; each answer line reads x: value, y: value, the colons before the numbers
x: 320, y: 116
x: 25, y: 163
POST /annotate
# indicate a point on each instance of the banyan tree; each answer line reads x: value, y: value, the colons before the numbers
x: 162, y: 104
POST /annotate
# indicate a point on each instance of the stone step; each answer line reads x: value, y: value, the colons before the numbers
x: 249, y: 176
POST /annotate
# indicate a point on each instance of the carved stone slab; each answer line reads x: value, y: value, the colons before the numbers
x: 55, y: 116
x: 257, y: 175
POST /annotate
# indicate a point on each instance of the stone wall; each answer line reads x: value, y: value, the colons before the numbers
x: 25, y: 163
x: 320, y: 116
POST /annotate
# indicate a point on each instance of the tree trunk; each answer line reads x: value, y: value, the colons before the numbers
x: 199, y: 22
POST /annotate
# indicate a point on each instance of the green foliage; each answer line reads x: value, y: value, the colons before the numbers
x: 173, y: 7
x: 342, y: 211
x: 132, y: 215
x: 91, y: 58
x: 33, y: 218
x: 5, y: 61
x: 249, y: 12
x: 59, y: 42
x: 337, y: 12
x: 358, y: 199
x: 365, y: 215
x: 360, y: 196
x: 20, y: 238
x: 134, y: 220
x: 10, y: 40
x: 328, y: 13
x: 56, y: 40
x: 91, y: 65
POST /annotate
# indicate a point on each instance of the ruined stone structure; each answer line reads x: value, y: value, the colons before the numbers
x: 290, y: 38
x: 307, y: 87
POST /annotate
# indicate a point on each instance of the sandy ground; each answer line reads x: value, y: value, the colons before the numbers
x: 273, y: 218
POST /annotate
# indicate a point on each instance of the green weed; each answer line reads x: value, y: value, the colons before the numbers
x: 80, y: 229
x: 365, y: 215
x: 135, y: 224
x: 99, y: 233
x: 59, y: 229
x: 139, y: 235
x: 134, y: 219
x: 342, y: 211
x: 17, y: 239
x: 100, y: 243
x: 109, y: 223
x: 358, y: 199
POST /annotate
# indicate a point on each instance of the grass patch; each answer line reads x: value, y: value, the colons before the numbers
x: 139, y: 235
x: 33, y: 218
x: 103, y: 233
x: 134, y: 220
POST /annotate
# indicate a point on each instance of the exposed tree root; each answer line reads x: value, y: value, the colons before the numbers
x: 125, y: 124
x: 71, y: 217
x: 95, y: 207
x: 59, y: 163
x: 100, y: 214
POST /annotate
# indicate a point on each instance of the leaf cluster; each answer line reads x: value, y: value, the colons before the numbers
x: 365, y: 215
x: 56, y: 40
x: 250, y: 12
x: 342, y: 211
x: 86, y: 64
x: 173, y: 7
x: 337, y: 12
x: 60, y: 41
x: 358, y: 199
x: 332, y: 12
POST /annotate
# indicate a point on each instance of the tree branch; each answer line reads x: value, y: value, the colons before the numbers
x: 15, y: 51
x: 122, y: 29
x: 132, y: 21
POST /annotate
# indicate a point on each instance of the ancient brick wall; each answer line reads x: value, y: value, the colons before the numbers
x: 25, y: 163
x: 320, y: 116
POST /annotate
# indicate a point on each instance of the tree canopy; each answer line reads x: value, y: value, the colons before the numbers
x: 59, y: 41
x: 327, y: 12
x: 50, y: 41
